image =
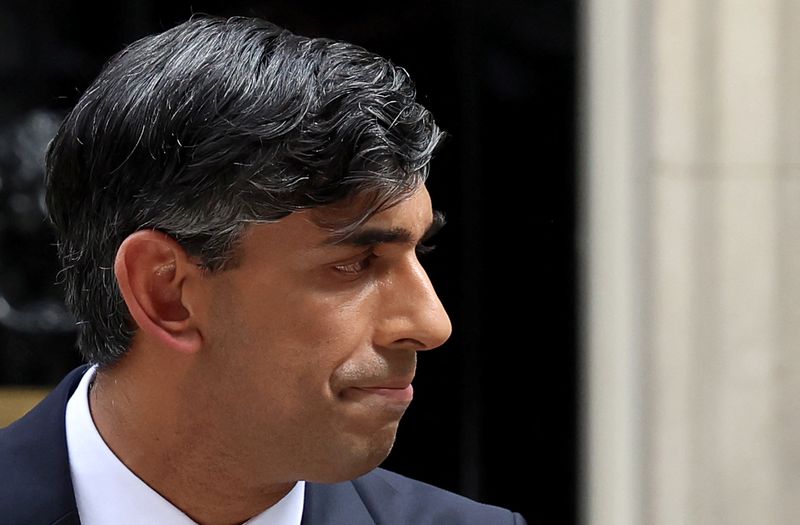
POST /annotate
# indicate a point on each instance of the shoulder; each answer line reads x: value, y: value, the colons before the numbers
x: 36, y: 486
x: 390, y: 494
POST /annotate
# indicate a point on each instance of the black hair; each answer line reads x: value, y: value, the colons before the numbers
x: 212, y: 125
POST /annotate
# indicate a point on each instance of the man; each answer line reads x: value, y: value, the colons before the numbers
x: 239, y: 212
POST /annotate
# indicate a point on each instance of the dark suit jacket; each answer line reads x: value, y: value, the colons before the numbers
x: 36, y: 487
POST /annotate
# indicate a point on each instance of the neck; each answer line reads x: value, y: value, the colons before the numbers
x: 146, y: 420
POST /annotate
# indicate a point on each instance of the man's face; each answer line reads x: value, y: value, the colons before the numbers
x: 311, y: 345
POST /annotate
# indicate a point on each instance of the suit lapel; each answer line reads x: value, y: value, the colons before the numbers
x: 69, y: 519
x: 334, y: 504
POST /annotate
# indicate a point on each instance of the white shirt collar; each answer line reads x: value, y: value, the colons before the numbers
x: 106, y: 491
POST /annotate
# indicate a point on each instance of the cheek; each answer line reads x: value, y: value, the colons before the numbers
x: 309, y: 335
x: 331, y: 330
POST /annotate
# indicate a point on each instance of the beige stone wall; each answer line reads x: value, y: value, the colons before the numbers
x: 692, y: 261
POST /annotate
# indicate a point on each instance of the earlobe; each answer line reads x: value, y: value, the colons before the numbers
x: 151, y: 270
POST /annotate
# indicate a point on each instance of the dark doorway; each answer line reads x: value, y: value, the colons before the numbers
x: 496, y: 407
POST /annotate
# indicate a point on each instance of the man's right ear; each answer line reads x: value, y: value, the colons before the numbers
x: 152, y: 270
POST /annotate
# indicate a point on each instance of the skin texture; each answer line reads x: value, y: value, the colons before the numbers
x: 294, y: 364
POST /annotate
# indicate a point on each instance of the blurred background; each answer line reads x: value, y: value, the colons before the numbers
x: 497, y: 409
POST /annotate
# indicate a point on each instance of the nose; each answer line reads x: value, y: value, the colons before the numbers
x: 412, y: 316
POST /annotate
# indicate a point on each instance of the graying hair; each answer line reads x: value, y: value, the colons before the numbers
x: 210, y: 126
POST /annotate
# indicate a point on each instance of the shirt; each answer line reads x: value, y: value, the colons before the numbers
x: 106, y: 491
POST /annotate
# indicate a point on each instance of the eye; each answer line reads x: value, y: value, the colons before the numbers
x: 357, y: 266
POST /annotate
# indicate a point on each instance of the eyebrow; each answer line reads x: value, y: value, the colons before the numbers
x: 371, y: 236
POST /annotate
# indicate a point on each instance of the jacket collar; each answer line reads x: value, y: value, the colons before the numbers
x: 334, y: 504
x: 38, y: 445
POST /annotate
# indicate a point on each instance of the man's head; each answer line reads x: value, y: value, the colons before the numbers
x: 211, y: 126
x: 239, y: 211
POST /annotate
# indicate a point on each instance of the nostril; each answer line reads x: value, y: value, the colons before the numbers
x: 410, y: 343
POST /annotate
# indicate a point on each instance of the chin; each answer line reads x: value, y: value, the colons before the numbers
x: 350, y: 462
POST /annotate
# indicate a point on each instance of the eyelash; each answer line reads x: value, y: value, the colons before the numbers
x: 365, y: 262
x: 425, y: 249
x: 356, y: 267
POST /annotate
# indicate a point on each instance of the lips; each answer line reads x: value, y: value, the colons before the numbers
x: 399, y: 394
